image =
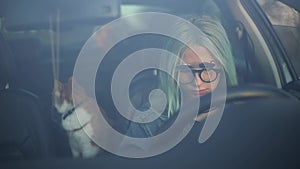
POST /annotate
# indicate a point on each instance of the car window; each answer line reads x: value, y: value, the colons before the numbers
x: 286, y: 23
x: 34, y: 39
x: 45, y: 64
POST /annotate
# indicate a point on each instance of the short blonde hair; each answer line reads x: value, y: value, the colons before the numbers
x: 214, y: 39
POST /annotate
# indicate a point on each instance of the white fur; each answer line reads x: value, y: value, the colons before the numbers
x: 80, y: 142
x: 64, y: 107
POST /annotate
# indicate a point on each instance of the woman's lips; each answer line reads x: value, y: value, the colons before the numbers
x: 201, y: 92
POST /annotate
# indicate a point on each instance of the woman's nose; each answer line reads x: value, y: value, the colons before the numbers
x: 198, y: 79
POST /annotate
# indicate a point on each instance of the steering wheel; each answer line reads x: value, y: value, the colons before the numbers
x: 246, y: 92
x: 238, y: 94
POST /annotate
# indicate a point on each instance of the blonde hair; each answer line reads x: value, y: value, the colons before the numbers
x: 214, y: 38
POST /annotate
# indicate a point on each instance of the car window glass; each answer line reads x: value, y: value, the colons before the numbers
x: 286, y: 23
x: 34, y: 46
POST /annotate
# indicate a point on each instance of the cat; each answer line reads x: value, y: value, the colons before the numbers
x: 79, y: 133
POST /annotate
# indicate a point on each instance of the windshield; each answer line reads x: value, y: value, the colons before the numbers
x: 85, y: 79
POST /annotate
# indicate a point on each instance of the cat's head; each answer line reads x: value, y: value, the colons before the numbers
x: 62, y: 96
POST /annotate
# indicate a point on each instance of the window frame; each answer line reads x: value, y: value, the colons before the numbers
x: 272, y: 40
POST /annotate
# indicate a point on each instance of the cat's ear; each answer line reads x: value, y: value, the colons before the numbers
x: 57, y: 81
x: 77, y: 88
x: 57, y: 92
x: 71, y: 80
x: 58, y: 84
x: 70, y: 83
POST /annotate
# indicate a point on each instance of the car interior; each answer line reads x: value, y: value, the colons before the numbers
x: 259, y: 127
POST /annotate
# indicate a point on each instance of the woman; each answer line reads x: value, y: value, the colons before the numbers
x: 202, y: 57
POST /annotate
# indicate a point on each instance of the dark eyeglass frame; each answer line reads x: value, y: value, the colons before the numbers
x: 205, y: 66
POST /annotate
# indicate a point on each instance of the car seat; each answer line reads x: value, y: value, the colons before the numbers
x: 24, y: 131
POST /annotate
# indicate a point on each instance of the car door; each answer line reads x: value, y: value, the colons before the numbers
x: 279, y: 23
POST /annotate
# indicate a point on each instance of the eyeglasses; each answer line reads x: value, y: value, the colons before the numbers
x: 206, y: 72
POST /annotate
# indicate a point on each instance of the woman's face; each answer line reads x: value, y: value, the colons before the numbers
x: 201, y: 63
